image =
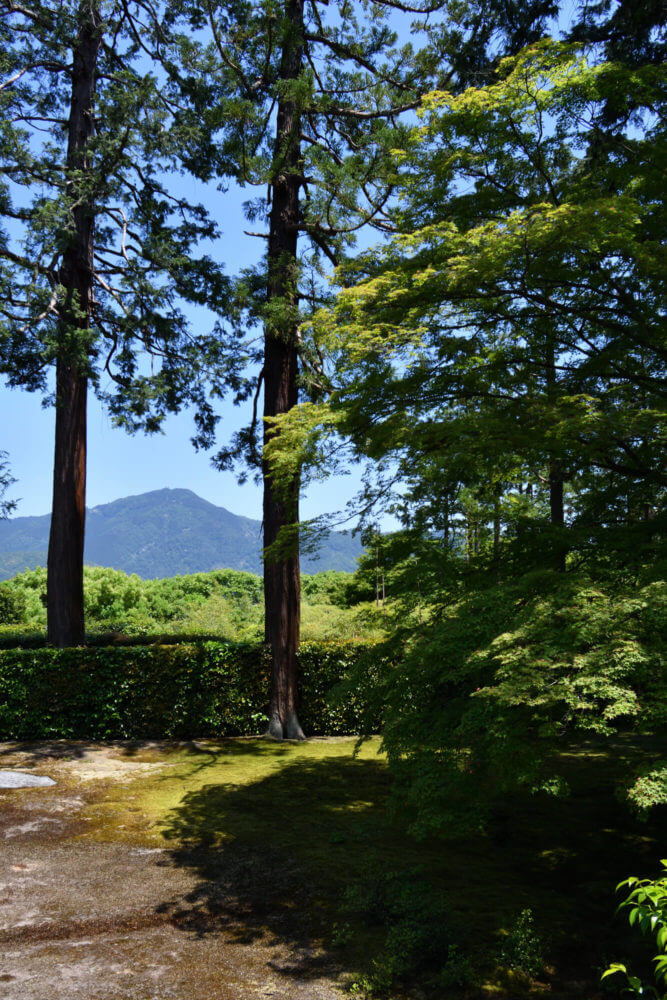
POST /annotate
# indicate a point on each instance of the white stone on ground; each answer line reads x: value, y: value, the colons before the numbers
x: 19, y: 779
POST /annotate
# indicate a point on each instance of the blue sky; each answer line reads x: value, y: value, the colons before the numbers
x: 120, y: 464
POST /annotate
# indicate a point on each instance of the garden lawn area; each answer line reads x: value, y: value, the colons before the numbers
x: 298, y: 838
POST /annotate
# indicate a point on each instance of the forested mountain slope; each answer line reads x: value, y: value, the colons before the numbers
x: 163, y: 533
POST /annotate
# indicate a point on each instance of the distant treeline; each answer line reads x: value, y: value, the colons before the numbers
x: 223, y: 602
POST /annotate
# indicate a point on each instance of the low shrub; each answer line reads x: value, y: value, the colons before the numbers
x: 523, y: 950
x: 158, y: 691
x: 418, y: 935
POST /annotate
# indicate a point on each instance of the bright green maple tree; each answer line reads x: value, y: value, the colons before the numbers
x: 518, y: 310
x: 503, y: 355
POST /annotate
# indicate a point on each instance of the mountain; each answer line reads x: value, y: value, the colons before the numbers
x: 164, y: 533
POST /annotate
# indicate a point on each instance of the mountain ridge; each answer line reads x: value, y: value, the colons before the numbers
x: 161, y: 533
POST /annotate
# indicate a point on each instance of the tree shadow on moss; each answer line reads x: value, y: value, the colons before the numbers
x: 274, y: 858
x: 38, y: 751
x: 207, y: 751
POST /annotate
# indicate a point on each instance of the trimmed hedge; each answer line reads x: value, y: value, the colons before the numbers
x: 16, y: 637
x: 194, y: 689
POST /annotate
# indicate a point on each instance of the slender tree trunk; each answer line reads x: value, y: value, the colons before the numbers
x: 496, y: 527
x: 64, y: 587
x: 556, y: 498
x: 282, y: 586
x: 557, y: 509
x: 556, y: 505
x: 65, y: 620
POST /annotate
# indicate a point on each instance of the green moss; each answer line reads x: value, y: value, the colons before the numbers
x: 309, y: 820
x: 154, y: 809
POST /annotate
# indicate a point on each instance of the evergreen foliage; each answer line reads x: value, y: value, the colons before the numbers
x: 144, y: 233
x: 186, y: 690
x: 93, y: 260
x: 310, y: 111
x: 499, y: 363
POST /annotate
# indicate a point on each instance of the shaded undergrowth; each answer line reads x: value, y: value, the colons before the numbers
x: 295, y: 842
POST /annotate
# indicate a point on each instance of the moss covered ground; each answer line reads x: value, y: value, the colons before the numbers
x: 290, y: 837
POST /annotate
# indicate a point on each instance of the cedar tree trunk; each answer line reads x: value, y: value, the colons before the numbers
x: 65, y: 559
x: 282, y: 585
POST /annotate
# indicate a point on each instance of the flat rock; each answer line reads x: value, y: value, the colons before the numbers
x: 19, y: 779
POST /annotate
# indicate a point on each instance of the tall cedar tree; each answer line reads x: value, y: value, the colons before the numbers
x: 305, y: 98
x: 95, y: 257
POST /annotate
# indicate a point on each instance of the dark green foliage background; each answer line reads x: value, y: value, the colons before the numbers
x: 188, y: 690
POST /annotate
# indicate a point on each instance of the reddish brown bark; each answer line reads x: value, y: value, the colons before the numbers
x: 282, y: 587
x: 66, y: 540
x: 65, y: 617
